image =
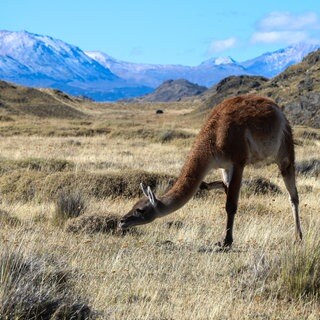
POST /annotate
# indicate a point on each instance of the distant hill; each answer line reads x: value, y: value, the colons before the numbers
x: 297, y: 90
x: 231, y: 86
x: 19, y: 100
x: 172, y: 90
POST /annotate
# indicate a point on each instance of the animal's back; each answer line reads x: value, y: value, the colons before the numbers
x: 246, y: 129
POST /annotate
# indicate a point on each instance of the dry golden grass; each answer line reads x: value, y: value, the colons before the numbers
x: 164, y: 270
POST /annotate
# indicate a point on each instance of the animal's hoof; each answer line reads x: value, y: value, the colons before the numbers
x: 223, y: 246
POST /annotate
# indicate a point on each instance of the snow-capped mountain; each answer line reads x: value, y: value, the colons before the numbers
x: 218, y: 61
x: 148, y: 74
x: 271, y: 64
x: 207, y: 73
x: 42, y: 61
x: 51, y: 58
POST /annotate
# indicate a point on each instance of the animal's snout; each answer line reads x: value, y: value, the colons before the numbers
x: 121, y: 223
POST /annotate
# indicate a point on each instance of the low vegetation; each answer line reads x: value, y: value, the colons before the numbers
x: 21, y: 185
x: 36, y: 164
x: 68, y: 205
x: 85, y: 173
x: 34, y: 287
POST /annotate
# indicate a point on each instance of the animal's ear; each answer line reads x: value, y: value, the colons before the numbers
x: 144, y: 190
x: 149, y: 194
x: 152, y: 198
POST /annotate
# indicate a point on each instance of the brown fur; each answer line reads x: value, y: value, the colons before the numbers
x: 223, y: 135
x: 239, y: 131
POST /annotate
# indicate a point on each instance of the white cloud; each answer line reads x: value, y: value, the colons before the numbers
x: 285, y: 27
x: 288, y: 21
x: 222, y: 45
x: 288, y: 37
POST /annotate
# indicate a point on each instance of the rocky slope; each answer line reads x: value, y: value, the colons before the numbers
x: 297, y: 90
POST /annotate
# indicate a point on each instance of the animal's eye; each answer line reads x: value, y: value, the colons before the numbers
x: 138, y: 212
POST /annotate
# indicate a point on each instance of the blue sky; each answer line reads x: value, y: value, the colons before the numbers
x: 168, y: 31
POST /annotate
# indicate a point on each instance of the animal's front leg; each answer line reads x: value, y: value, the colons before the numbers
x: 232, y: 203
x: 219, y: 184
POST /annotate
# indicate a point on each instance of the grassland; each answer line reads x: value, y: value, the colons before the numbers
x: 168, y: 269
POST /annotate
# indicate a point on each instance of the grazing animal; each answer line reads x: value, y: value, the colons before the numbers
x: 239, y: 131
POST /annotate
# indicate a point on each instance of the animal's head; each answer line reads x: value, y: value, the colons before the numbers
x: 144, y: 211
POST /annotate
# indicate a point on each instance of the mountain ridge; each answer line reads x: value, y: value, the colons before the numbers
x: 42, y: 61
x: 208, y: 72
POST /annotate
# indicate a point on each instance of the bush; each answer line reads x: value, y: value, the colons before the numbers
x: 309, y: 167
x: 36, y: 288
x: 260, y: 186
x: 69, y: 205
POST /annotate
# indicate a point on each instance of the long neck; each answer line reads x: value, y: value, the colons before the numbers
x: 194, y: 170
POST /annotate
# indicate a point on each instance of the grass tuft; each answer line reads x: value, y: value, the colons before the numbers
x: 300, y: 269
x: 36, y: 288
x: 68, y: 205
x: 7, y: 220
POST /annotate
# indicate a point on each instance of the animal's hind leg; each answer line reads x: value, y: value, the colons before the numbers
x: 288, y: 174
